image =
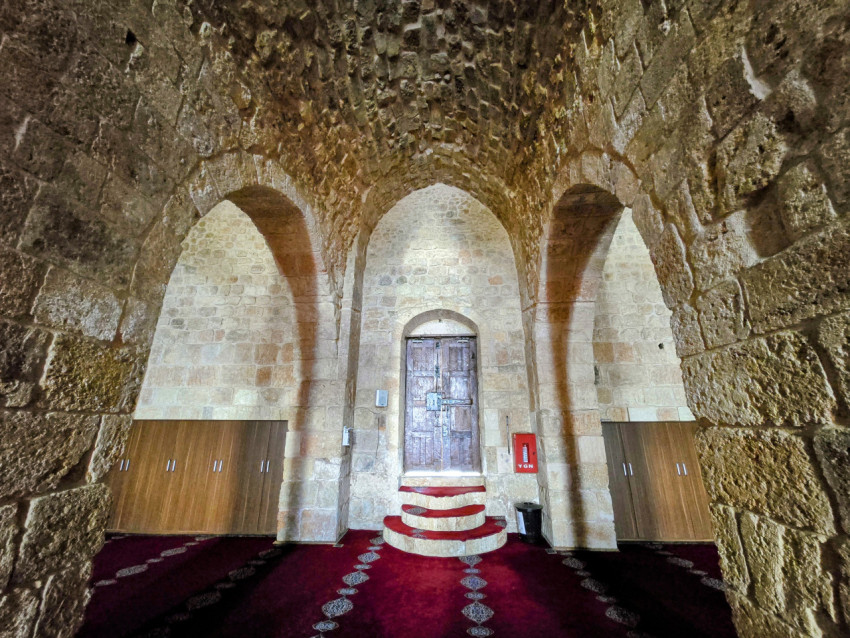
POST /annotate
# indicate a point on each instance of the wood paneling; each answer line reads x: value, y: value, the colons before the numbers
x: 618, y: 482
x: 218, y: 477
x: 661, y: 490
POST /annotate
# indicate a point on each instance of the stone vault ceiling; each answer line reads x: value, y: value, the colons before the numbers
x: 394, y: 96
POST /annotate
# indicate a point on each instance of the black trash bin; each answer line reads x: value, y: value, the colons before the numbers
x: 529, y: 518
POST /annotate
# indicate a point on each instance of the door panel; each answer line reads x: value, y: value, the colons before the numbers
x: 272, y: 478
x: 123, y: 474
x: 618, y: 480
x: 659, y: 502
x: 444, y: 437
x: 423, y: 432
x: 696, y: 498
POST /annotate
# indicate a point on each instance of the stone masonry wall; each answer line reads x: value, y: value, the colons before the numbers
x: 438, y: 248
x: 723, y: 126
x: 226, y: 344
x: 638, y: 375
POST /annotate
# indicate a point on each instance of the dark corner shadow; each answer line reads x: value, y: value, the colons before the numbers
x: 285, y: 230
x: 582, y: 223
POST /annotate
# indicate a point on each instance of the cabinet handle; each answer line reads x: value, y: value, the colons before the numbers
x: 220, y: 464
x: 261, y: 467
x: 678, y: 470
x: 127, y: 467
x: 631, y: 471
x: 685, y: 467
x: 267, y: 466
x: 624, y: 470
x: 168, y: 465
x: 121, y: 467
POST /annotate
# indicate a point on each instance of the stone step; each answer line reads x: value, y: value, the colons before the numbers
x: 443, y: 497
x: 485, y: 538
x: 441, y: 481
x: 458, y: 519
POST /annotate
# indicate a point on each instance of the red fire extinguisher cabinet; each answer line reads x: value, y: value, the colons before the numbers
x: 525, y: 453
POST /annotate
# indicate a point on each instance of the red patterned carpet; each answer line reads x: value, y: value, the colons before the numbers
x: 234, y: 587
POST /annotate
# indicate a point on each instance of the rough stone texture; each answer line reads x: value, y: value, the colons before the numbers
x: 19, y: 283
x: 834, y: 337
x: 82, y: 375
x: 728, y: 540
x: 833, y: 450
x: 46, y: 549
x: 751, y: 469
x: 18, y: 609
x: 117, y: 119
x: 747, y: 160
x: 77, y: 305
x: 66, y: 594
x: 805, y: 203
x: 37, y: 450
x: 638, y: 376
x: 721, y: 315
x: 674, y: 275
x: 776, y: 380
x: 23, y: 351
x: 8, y: 532
x: 808, y: 279
x: 787, y: 573
x: 111, y: 440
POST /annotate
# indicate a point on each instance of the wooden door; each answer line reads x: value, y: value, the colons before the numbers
x: 659, y: 503
x: 423, y: 445
x: 122, y: 475
x: 689, y: 476
x: 618, y: 482
x: 157, y: 467
x: 186, y: 503
x: 272, y: 478
x: 460, y: 409
x: 248, y: 476
x: 441, y: 409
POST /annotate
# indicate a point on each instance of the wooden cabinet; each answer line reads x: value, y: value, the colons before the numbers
x: 655, y: 481
x: 215, y: 477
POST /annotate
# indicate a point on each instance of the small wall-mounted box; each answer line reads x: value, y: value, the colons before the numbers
x: 381, y: 397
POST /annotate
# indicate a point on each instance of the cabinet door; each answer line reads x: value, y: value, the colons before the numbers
x: 618, y: 482
x: 122, y: 475
x: 272, y: 479
x: 658, y: 498
x: 696, y: 498
x: 147, y: 489
x: 249, y: 476
x: 185, y: 503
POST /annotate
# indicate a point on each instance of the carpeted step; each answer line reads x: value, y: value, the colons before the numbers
x: 485, y: 538
x: 458, y: 519
x: 444, y: 497
x: 440, y: 481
